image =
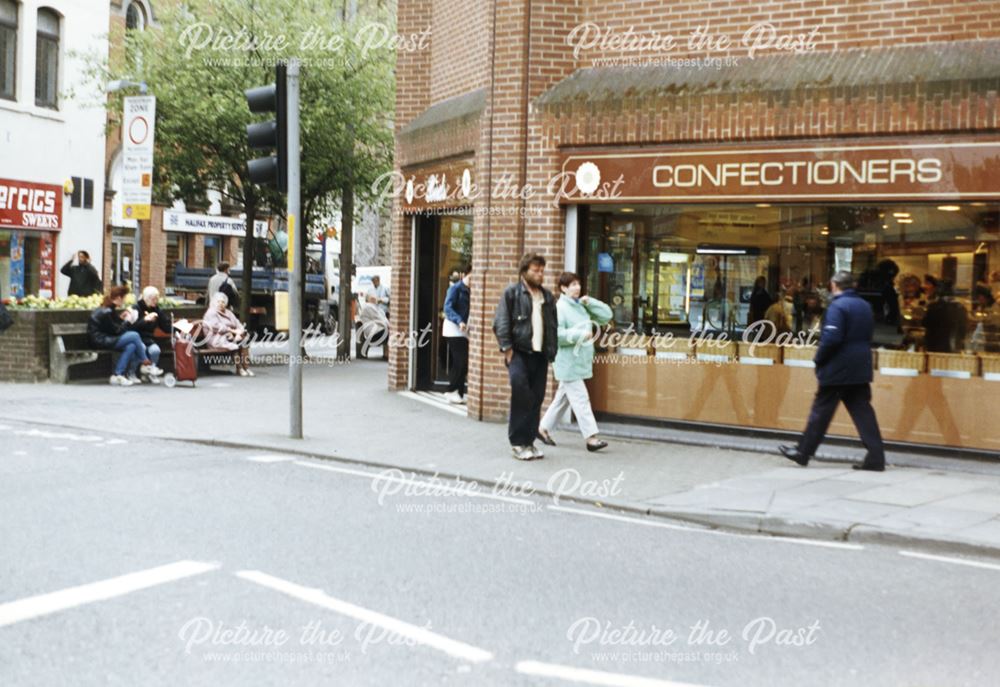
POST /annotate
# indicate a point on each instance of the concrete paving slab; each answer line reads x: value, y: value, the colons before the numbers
x: 843, y: 510
x: 987, y: 532
x: 983, y: 500
x: 899, y: 495
x: 930, y: 516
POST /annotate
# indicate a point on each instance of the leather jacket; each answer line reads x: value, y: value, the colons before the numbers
x: 512, y: 324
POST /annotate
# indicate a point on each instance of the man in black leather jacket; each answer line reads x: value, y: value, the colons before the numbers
x: 527, y: 331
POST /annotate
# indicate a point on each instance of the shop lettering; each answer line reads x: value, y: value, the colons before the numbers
x: 799, y: 172
x: 36, y: 221
x: 27, y: 199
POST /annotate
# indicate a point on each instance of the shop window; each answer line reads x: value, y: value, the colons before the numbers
x: 717, y: 268
x: 88, y: 194
x: 20, y: 264
x: 47, y: 60
x: 213, y: 251
x: 8, y: 49
x: 176, y: 255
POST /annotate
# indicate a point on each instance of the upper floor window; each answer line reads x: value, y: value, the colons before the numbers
x: 47, y: 60
x: 135, y: 18
x: 8, y: 47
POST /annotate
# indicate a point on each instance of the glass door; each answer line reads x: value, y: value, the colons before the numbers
x: 123, y: 257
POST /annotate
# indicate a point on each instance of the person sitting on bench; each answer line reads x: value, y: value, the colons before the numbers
x: 108, y: 328
x: 222, y: 329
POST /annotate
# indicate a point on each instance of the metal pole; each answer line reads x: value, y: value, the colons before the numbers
x: 295, y: 236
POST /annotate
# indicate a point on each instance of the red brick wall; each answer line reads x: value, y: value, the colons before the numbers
x: 842, y: 24
x: 459, y: 54
x: 523, y: 147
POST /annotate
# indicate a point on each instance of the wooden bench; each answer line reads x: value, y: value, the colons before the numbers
x: 68, y: 346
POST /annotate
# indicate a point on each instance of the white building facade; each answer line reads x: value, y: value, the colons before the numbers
x: 52, y: 142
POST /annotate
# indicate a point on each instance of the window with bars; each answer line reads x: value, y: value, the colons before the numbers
x: 47, y: 60
x: 8, y: 49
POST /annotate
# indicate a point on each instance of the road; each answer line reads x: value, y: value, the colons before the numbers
x: 130, y: 562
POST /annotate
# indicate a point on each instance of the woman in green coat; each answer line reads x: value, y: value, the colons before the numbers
x: 575, y: 360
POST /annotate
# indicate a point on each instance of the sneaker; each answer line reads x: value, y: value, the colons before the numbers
x: 462, y: 401
x: 134, y: 378
x: 242, y: 373
x: 522, y: 452
x: 120, y: 380
x: 536, y: 453
x: 151, y: 371
x: 453, y: 397
x: 249, y: 372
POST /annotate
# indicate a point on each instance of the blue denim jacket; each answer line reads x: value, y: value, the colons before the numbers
x: 456, y: 303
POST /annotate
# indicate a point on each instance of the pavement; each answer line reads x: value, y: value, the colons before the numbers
x: 129, y: 560
x: 947, y: 505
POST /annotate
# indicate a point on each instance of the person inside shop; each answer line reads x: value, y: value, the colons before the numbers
x: 931, y: 288
x: 781, y: 313
x: 578, y: 317
x: 150, y: 318
x: 379, y: 295
x: 222, y: 329
x: 455, y: 330
x: 812, y: 312
x: 373, y: 329
x: 760, y: 301
x: 83, y: 277
x: 109, y: 328
x: 986, y: 311
x: 844, y: 372
x: 946, y: 322
x: 221, y: 282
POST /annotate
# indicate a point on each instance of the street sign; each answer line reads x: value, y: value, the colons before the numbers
x: 139, y: 126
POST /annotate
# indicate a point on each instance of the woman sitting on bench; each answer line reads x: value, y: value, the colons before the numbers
x: 108, y: 328
x: 222, y: 329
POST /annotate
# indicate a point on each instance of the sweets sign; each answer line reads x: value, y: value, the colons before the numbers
x: 26, y: 205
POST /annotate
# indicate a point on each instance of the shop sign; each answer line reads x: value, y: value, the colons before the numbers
x: 925, y: 168
x: 446, y: 185
x: 191, y: 223
x: 139, y: 127
x: 26, y: 205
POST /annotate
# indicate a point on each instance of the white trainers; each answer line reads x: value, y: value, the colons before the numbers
x: 120, y: 380
x: 522, y: 452
x: 134, y: 378
x: 453, y: 397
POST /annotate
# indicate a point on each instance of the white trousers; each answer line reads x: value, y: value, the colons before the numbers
x: 571, y: 395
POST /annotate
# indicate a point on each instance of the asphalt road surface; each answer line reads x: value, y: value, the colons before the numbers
x: 162, y: 563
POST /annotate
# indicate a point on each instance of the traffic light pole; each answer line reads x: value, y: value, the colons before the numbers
x: 295, y: 236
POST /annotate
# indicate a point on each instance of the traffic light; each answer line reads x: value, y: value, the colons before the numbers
x: 273, y: 169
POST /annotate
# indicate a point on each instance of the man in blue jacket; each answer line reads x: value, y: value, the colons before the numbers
x: 844, y: 371
x: 455, y: 330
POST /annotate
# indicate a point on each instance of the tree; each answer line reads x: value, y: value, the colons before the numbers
x: 204, y: 54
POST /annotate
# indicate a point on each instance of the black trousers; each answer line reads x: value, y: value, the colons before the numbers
x: 458, y: 353
x: 528, y: 374
x: 857, y: 399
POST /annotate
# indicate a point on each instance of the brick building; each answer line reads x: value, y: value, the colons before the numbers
x: 696, y: 148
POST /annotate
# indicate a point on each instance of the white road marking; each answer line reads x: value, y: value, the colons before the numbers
x: 60, y: 448
x: 270, y: 458
x: 44, y: 604
x: 948, y: 559
x: 20, y: 453
x: 423, y: 483
x: 415, y: 633
x: 648, y: 522
x: 592, y: 677
x: 113, y: 442
x: 634, y: 521
x: 45, y: 434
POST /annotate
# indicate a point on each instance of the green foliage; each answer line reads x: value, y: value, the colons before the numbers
x: 203, y: 54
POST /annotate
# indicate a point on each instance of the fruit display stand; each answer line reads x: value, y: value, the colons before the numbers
x: 990, y: 366
x: 799, y: 356
x: 955, y: 365
x: 900, y: 363
x: 759, y: 354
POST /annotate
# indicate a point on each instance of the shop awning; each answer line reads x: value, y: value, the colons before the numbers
x: 459, y: 107
x: 919, y: 64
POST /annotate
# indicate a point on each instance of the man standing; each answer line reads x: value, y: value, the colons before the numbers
x: 527, y: 331
x: 379, y: 295
x: 844, y: 371
x: 83, y: 278
x: 221, y: 281
x: 455, y: 331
